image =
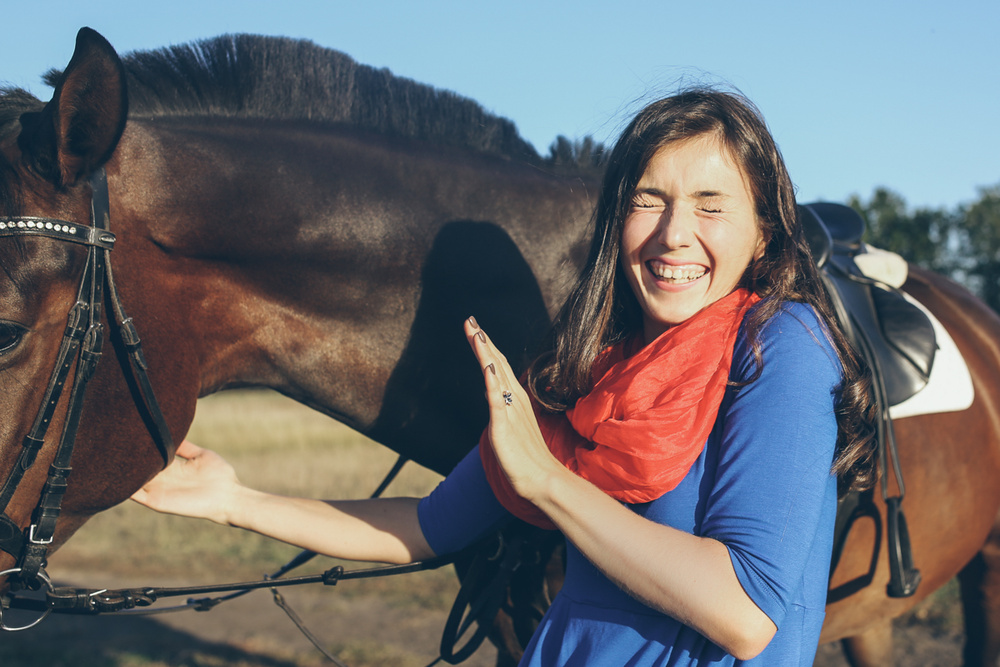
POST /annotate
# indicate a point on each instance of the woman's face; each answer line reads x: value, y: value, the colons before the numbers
x: 690, y: 234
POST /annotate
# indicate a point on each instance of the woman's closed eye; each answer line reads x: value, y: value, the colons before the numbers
x: 647, y: 202
x: 712, y: 202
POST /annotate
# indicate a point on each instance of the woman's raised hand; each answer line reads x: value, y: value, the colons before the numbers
x: 513, y: 430
x: 198, y: 483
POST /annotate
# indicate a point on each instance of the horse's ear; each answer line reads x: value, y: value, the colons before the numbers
x: 79, y: 128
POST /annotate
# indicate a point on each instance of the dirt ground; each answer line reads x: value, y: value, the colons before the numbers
x: 916, y: 645
x: 362, y: 630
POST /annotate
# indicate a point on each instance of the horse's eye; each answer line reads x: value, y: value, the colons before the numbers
x: 10, y: 336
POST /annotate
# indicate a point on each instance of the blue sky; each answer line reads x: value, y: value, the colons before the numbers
x: 858, y: 93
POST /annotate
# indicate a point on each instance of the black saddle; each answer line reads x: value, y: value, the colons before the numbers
x: 896, y: 334
x: 898, y: 342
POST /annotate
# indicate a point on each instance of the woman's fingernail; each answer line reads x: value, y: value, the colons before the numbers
x: 492, y: 369
x: 481, y: 336
x: 473, y: 322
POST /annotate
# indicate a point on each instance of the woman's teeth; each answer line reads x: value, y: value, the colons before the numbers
x: 677, y: 274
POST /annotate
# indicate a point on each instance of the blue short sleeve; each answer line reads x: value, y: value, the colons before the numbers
x: 461, y: 509
x: 773, y: 503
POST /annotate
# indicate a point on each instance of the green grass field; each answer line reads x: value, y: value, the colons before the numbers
x: 274, y: 444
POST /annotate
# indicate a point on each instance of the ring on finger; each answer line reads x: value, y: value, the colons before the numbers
x: 508, y: 398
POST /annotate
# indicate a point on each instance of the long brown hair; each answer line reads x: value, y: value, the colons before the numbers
x: 602, y: 309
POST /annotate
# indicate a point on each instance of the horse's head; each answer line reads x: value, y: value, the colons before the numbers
x: 47, y: 154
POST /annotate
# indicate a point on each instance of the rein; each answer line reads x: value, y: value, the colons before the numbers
x: 481, y: 596
x: 91, y: 601
x: 82, y: 343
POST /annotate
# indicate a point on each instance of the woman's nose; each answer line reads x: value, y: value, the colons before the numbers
x: 676, y: 229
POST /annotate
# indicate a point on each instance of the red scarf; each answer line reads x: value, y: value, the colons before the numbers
x: 646, y: 420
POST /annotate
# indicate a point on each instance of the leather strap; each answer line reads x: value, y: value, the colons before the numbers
x: 57, y: 229
x: 83, y: 342
x: 156, y: 422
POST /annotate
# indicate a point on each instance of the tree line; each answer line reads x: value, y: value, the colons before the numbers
x: 962, y: 243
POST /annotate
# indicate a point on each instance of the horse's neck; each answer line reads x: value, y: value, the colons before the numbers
x: 300, y: 257
x: 338, y: 198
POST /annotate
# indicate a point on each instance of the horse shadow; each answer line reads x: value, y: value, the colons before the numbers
x: 66, y: 639
x: 434, y: 408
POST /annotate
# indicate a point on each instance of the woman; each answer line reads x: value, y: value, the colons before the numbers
x: 686, y: 432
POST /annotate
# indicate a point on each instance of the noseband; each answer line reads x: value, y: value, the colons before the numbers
x: 82, y: 342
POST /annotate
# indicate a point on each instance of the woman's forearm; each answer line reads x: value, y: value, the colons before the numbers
x: 378, y: 530
x: 199, y: 483
x: 689, y: 578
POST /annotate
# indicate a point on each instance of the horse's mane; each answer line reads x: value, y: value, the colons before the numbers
x: 13, y: 103
x: 253, y: 76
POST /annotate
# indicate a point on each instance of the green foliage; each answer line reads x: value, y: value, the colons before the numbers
x: 924, y: 237
x: 963, y: 243
x: 583, y: 156
x: 980, y: 244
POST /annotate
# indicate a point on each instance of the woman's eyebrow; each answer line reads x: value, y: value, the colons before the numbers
x: 699, y: 194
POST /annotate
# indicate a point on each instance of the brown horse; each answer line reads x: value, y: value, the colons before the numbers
x: 329, y: 246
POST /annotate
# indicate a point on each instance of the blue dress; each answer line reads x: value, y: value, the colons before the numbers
x: 762, y: 486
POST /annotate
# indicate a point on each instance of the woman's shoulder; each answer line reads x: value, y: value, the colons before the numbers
x: 795, y: 337
x: 794, y: 318
x: 795, y: 323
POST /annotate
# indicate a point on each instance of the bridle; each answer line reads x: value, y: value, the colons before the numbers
x: 82, y: 343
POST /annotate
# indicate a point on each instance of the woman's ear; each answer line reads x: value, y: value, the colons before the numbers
x: 754, y: 268
x: 763, y: 238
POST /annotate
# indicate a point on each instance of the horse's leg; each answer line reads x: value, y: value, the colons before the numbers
x: 980, y: 581
x: 873, y: 647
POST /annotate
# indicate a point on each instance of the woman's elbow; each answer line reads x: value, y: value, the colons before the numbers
x: 751, y: 638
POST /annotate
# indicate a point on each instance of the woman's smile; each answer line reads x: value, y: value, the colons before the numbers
x: 675, y: 275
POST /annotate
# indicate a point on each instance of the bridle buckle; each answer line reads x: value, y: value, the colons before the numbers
x: 31, y: 536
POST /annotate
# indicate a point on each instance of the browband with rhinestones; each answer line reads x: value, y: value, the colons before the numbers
x: 59, y: 229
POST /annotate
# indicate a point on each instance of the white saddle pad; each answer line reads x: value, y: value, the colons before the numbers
x: 950, y: 386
